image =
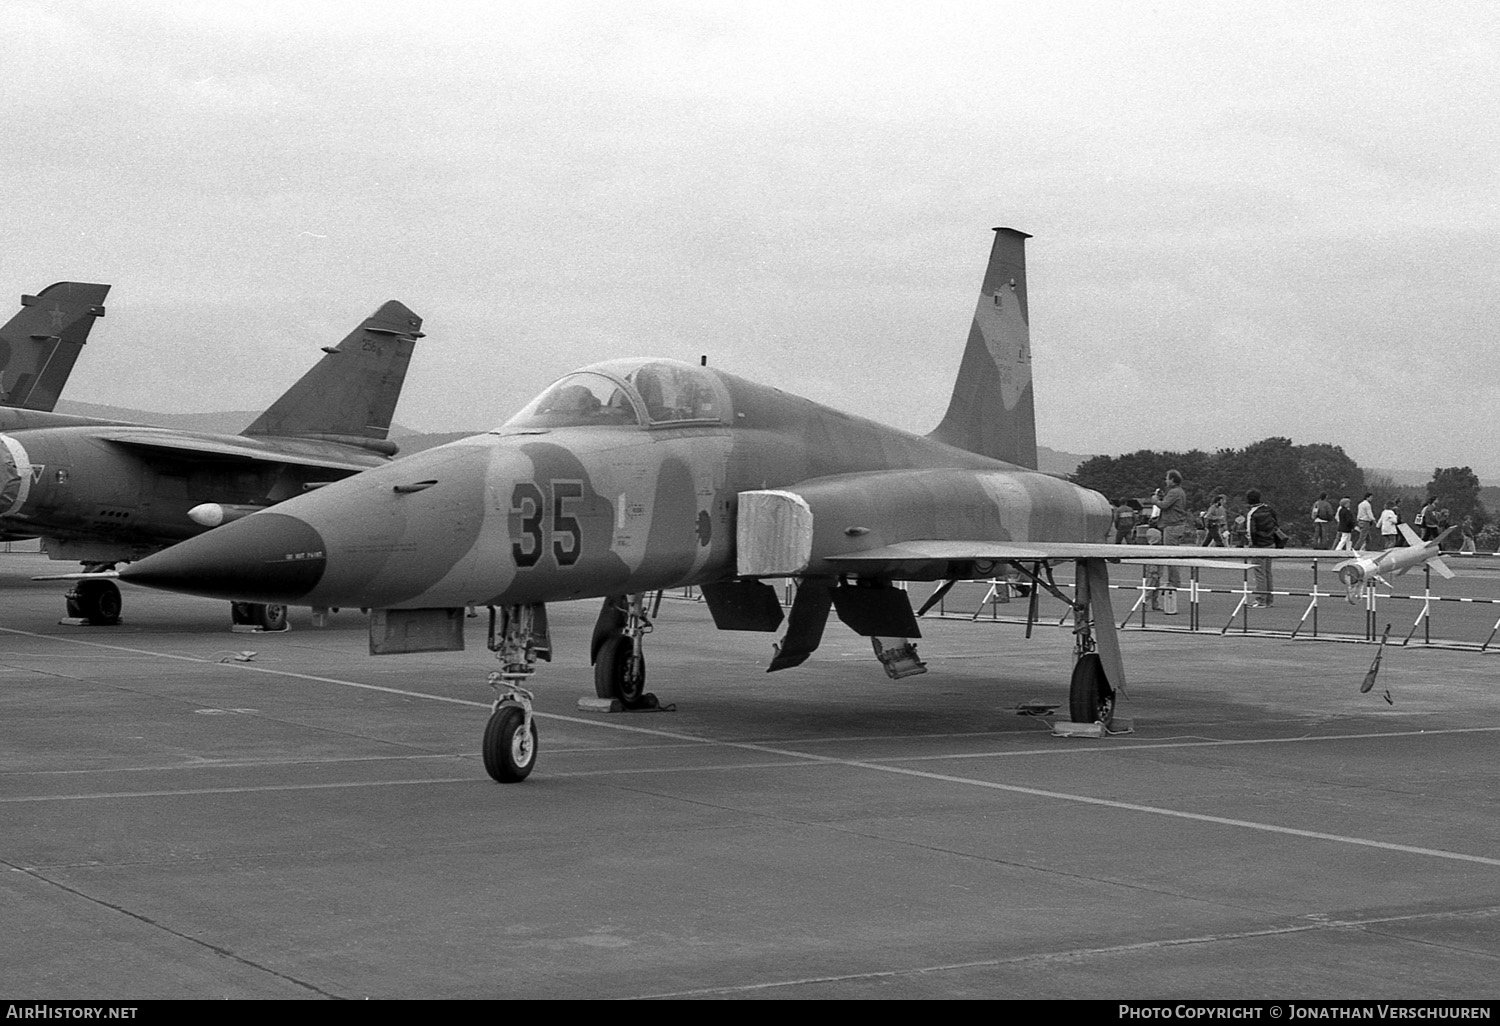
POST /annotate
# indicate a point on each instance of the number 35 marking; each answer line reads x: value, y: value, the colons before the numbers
x: 529, y: 503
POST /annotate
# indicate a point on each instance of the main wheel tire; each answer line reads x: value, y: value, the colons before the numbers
x: 98, y: 602
x: 269, y: 617
x: 509, y: 751
x: 1090, y: 698
x: 612, y: 672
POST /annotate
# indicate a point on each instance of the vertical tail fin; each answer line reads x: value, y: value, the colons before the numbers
x: 350, y: 394
x: 992, y: 411
x: 39, y: 345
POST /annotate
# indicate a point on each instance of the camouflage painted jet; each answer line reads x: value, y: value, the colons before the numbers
x: 103, y: 493
x: 40, y: 344
x: 632, y: 476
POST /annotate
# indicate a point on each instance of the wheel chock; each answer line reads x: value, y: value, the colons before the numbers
x: 1067, y: 728
x: 649, y: 703
x: 602, y: 705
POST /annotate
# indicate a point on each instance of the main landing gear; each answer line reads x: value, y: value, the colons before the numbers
x: 1091, y: 697
x: 617, y: 647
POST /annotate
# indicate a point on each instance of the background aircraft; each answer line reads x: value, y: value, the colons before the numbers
x: 636, y: 475
x: 40, y: 344
x: 103, y: 493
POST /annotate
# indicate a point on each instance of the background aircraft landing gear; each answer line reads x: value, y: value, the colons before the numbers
x: 619, y: 656
x: 257, y: 617
x: 96, y: 603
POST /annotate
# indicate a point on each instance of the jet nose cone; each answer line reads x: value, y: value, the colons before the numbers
x: 269, y: 557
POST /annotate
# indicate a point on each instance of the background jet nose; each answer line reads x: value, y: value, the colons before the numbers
x: 15, y: 475
x: 268, y: 557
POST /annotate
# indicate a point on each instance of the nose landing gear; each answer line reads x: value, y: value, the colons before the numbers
x: 518, y: 637
x: 510, y: 736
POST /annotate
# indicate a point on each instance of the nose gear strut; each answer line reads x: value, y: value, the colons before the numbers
x: 518, y: 637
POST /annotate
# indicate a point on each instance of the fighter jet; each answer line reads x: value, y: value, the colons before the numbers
x: 636, y: 475
x: 104, y: 493
x: 40, y: 344
x: 1355, y: 573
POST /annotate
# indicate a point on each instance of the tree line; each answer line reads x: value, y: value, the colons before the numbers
x: 1290, y: 478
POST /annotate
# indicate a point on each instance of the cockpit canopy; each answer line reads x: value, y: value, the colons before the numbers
x: 628, y: 392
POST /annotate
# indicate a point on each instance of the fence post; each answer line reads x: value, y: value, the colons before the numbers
x: 1193, y: 598
x: 1426, y: 604
x: 1315, y: 598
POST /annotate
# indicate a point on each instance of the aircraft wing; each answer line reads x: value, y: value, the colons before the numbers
x: 912, y: 554
x: 185, y: 445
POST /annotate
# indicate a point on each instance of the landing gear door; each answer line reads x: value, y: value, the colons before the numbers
x: 396, y: 631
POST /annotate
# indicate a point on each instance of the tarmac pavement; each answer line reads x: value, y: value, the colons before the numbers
x: 317, y: 823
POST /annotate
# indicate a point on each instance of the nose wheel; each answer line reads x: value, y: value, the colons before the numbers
x: 510, y: 741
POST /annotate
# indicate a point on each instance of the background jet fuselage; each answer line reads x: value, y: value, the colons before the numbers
x: 537, y: 513
x: 95, y: 500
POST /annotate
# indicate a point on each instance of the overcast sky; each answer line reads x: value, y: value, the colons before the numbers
x: 1249, y: 219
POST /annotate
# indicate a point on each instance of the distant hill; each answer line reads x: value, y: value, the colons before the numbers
x: 224, y: 422
x: 1055, y: 461
x: 1402, y: 478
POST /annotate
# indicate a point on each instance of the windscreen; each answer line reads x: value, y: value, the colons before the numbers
x: 579, y: 400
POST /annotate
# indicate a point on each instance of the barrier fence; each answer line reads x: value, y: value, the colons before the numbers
x: 1248, y: 618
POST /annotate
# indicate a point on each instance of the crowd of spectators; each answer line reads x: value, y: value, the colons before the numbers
x: 1163, y: 518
